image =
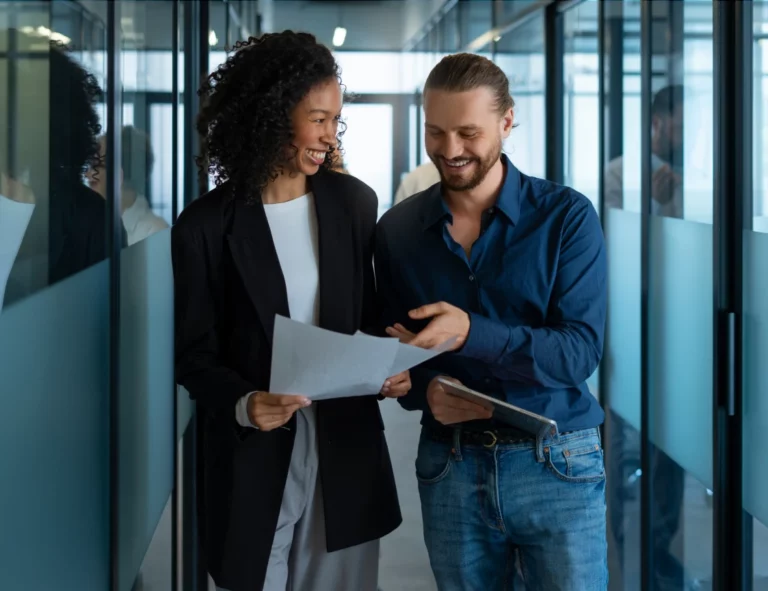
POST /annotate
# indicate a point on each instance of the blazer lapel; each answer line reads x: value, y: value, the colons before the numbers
x: 256, y: 260
x: 337, y: 256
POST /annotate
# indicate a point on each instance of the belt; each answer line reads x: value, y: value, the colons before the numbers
x: 487, y: 438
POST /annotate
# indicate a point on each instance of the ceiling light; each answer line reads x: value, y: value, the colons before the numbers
x: 339, y: 35
x: 46, y: 33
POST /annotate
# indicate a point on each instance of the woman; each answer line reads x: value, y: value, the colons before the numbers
x: 280, y: 234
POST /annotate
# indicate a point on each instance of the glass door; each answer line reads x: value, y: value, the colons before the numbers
x: 377, y: 142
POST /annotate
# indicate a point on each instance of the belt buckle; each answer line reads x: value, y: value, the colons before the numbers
x: 494, y: 439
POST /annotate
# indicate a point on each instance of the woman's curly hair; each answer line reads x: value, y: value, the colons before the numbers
x: 247, y: 104
x: 74, y: 122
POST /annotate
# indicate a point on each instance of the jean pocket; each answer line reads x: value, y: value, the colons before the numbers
x: 578, y: 461
x: 433, y: 461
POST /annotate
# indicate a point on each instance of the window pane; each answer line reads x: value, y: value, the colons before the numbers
x: 52, y: 226
x: 680, y: 294
x: 520, y: 54
x: 621, y: 360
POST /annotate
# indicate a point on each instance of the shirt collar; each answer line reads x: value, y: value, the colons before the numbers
x: 508, y: 201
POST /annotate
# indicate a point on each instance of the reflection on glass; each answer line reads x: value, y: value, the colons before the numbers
x: 474, y: 19
x: 509, y: 9
x: 145, y: 404
x: 520, y: 54
x: 54, y: 436
x: 621, y: 360
x: 755, y: 317
x: 680, y: 295
x: 51, y: 224
x: 666, y: 174
x: 136, y: 166
x: 581, y: 112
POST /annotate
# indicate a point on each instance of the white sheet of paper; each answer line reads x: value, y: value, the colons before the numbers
x: 321, y: 364
x: 408, y: 356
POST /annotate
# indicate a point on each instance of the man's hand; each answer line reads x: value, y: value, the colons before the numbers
x: 664, y: 183
x: 397, y: 386
x: 270, y: 411
x: 447, y: 322
x: 449, y: 409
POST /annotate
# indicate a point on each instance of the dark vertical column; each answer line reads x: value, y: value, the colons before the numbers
x: 419, y: 126
x: 177, y: 558
x: 114, y: 248
x: 604, y: 395
x: 646, y: 447
x: 13, y: 93
x: 175, y: 122
x: 401, y: 145
x: 614, y: 29
x: 553, y: 93
x: 191, y: 104
x: 731, y: 155
x: 202, y: 69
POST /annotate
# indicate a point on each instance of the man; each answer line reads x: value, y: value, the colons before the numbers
x: 420, y: 178
x: 666, y: 158
x: 515, y: 268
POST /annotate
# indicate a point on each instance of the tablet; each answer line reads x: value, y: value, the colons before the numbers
x: 514, y: 416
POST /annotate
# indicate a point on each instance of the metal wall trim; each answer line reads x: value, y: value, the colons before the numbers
x: 554, y: 104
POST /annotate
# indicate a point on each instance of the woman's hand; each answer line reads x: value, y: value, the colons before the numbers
x: 397, y: 386
x: 269, y: 411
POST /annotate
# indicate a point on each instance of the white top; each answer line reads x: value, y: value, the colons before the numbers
x: 614, y: 190
x: 141, y: 222
x: 293, y: 225
x: 14, y: 220
x: 419, y: 179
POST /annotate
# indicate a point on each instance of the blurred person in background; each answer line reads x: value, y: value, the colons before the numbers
x: 137, y: 162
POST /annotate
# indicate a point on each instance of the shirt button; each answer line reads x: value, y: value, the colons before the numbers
x: 471, y: 277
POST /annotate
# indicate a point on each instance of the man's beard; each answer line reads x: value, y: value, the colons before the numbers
x: 458, y: 182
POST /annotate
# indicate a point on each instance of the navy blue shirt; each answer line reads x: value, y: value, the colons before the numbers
x: 534, y: 287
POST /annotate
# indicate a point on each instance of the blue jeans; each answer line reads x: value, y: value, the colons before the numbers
x: 541, y: 504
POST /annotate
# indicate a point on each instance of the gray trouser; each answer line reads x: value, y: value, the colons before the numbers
x: 299, y: 561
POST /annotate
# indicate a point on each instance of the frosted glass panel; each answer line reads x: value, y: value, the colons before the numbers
x: 622, y: 359
x: 755, y: 401
x: 146, y: 396
x: 54, y: 437
x: 680, y: 343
